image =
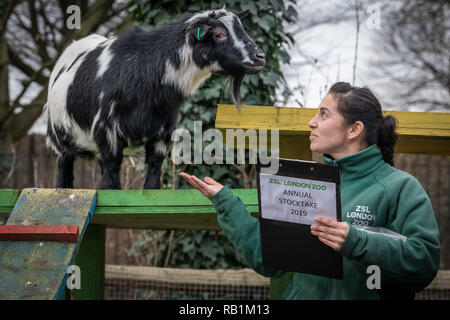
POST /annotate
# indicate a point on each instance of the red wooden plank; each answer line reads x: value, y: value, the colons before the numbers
x: 39, y: 233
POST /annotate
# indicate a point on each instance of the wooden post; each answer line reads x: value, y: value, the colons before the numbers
x: 91, y: 261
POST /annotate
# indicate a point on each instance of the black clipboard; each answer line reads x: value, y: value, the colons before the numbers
x: 291, y: 246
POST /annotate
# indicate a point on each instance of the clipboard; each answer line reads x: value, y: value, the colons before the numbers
x: 286, y: 240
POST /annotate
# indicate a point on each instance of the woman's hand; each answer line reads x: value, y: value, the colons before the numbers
x: 209, y: 188
x: 330, y: 232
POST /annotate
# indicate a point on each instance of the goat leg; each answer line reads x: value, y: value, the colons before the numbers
x: 152, y: 181
x: 111, y: 175
x: 110, y: 162
x: 65, y: 171
x: 154, y: 157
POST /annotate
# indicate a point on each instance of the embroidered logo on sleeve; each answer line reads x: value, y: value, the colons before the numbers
x: 361, y: 216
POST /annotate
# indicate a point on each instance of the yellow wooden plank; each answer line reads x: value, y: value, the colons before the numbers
x: 419, y: 132
x: 436, y: 124
x: 296, y: 119
x: 264, y: 117
x: 423, y: 145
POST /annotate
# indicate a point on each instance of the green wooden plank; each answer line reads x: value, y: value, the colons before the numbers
x: 8, y: 197
x: 161, y: 209
x: 142, y: 198
x: 36, y: 270
x: 160, y: 221
x: 164, y: 197
x: 6, y: 210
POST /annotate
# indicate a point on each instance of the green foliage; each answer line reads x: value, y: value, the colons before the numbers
x: 194, y: 249
x: 207, y: 249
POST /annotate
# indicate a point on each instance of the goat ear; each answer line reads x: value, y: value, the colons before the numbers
x: 201, y: 31
x: 243, y: 14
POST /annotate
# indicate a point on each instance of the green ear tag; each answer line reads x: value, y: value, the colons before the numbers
x: 198, y: 33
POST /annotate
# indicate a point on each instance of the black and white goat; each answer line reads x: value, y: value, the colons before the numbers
x: 108, y: 93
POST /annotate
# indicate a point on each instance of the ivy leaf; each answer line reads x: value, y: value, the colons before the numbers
x: 263, y: 23
x: 250, y: 6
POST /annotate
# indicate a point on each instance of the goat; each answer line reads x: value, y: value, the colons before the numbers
x: 109, y: 93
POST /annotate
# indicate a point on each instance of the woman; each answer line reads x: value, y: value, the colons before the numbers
x: 352, y: 133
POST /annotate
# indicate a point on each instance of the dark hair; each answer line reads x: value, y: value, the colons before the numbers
x: 360, y: 104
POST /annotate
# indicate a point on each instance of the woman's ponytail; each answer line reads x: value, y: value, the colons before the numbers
x: 387, y: 137
x: 360, y: 104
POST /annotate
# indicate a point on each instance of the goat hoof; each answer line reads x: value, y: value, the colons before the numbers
x: 149, y: 187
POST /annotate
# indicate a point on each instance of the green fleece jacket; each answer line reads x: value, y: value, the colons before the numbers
x: 373, y: 193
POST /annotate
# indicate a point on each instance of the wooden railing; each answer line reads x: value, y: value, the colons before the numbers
x: 185, y: 209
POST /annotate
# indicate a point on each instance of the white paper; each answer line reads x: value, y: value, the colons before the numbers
x: 296, y: 200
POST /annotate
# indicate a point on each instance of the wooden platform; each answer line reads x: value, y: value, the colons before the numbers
x: 184, y: 209
x: 37, y: 270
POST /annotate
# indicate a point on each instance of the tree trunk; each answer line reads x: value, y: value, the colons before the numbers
x: 4, y: 87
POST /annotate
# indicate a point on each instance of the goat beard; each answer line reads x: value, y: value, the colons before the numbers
x: 234, y: 82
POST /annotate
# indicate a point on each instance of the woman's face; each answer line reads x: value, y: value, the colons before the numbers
x: 328, y: 129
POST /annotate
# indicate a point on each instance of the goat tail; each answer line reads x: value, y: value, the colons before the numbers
x: 52, y: 136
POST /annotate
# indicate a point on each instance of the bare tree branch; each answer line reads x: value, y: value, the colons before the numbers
x: 416, y: 51
x: 6, y: 13
x: 355, y: 58
x: 33, y: 34
x: 25, y: 68
x: 37, y: 37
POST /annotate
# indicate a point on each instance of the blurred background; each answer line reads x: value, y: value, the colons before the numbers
x: 400, y: 49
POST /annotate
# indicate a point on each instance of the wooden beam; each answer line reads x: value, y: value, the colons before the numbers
x: 8, y: 198
x: 91, y: 260
x: 39, y: 233
x: 419, y: 132
x: 185, y: 209
x: 240, y: 277
x: 441, y: 281
x: 163, y: 209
